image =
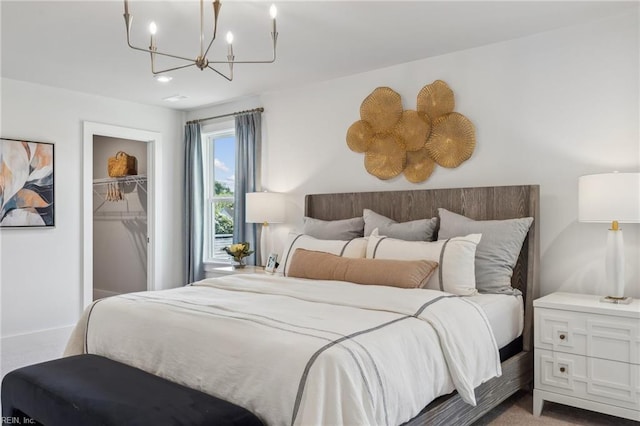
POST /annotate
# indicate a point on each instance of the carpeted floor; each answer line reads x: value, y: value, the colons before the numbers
x: 517, y: 411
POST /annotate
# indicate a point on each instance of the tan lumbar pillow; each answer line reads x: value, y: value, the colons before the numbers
x: 318, y: 265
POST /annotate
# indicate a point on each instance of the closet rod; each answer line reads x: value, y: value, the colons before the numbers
x: 200, y: 120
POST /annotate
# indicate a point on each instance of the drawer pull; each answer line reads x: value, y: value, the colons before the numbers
x: 562, y: 369
x: 562, y: 337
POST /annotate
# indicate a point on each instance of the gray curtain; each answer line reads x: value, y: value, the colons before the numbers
x: 194, y: 203
x: 248, y: 138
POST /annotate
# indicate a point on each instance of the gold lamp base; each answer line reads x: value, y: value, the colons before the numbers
x: 616, y: 300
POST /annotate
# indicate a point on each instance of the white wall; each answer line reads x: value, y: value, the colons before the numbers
x: 41, y: 270
x: 119, y: 227
x: 547, y: 109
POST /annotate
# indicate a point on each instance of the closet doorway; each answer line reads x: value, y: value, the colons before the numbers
x: 119, y: 218
x: 113, y: 227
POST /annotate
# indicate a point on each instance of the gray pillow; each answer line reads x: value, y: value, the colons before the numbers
x: 498, y: 250
x: 345, y: 229
x: 415, y: 230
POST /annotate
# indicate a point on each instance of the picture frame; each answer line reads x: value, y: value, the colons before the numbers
x: 272, y: 263
x: 27, y: 196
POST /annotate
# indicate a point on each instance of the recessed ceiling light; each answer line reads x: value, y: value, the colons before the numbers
x: 163, y: 78
x: 174, y: 98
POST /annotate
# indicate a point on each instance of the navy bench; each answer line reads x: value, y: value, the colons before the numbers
x: 87, y: 390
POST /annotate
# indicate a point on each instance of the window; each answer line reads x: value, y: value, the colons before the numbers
x: 219, y: 174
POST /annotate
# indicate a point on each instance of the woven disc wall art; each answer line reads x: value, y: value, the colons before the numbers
x: 436, y: 99
x: 452, y: 140
x: 411, y: 142
x: 382, y: 109
x: 386, y: 157
x: 413, y: 128
x: 359, y: 136
x: 419, y: 166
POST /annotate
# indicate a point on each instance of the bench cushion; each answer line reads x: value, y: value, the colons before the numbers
x: 93, y: 390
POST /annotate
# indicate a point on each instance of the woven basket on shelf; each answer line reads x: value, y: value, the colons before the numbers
x: 122, y: 164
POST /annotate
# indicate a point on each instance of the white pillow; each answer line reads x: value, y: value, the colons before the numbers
x: 355, y: 248
x: 455, y: 257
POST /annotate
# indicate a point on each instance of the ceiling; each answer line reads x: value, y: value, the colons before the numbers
x: 81, y: 45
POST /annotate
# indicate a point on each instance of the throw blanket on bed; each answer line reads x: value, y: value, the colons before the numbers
x: 300, y: 352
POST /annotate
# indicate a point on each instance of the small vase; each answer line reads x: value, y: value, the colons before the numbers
x: 240, y: 263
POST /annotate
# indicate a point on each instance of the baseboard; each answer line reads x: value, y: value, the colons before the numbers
x: 30, y: 348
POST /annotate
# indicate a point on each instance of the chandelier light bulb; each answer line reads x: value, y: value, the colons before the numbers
x: 229, y: 37
x: 163, y: 78
x: 273, y: 11
x: 153, y: 28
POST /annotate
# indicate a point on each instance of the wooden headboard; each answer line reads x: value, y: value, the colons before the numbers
x: 486, y: 203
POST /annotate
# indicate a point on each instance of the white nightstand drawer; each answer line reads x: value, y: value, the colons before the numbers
x: 600, y: 336
x: 594, y: 379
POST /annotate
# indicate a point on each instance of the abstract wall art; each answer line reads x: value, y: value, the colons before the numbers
x: 26, y: 184
x: 411, y: 142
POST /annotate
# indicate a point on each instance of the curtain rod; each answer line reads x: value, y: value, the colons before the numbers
x: 226, y: 115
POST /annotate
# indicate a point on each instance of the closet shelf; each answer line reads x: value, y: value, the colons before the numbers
x: 139, y: 182
x: 123, y: 179
x: 139, y: 214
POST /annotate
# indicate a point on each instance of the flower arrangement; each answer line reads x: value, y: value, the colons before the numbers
x: 239, y: 251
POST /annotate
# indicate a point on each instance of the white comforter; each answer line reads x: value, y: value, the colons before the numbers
x: 300, y: 352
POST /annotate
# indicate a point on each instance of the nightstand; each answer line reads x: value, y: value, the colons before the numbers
x: 587, y: 354
x: 221, y: 271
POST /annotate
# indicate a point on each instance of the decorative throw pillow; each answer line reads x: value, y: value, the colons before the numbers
x: 318, y: 265
x: 345, y: 229
x: 455, y: 257
x: 415, y: 230
x: 498, y: 251
x: 356, y: 247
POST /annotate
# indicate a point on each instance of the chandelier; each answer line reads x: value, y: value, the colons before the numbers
x: 201, y: 61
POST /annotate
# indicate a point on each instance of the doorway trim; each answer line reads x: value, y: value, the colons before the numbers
x: 154, y: 141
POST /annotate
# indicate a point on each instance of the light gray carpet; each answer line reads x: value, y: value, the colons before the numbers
x: 517, y: 411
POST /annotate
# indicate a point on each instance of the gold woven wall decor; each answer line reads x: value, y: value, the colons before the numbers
x: 386, y: 157
x: 452, y: 140
x: 359, y: 136
x: 419, y: 166
x: 412, y: 128
x: 436, y: 99
x: 382, y: 109
x: 411, y: 142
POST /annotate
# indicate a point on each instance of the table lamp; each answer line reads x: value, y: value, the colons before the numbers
x: 265, y: 208
x: 611, y: 198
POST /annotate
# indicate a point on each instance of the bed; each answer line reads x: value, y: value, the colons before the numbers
x: 242, y: 305
x: 482, y: 203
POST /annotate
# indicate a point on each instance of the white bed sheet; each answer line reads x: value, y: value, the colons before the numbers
x: 319, y: 343
x: 505, y: 313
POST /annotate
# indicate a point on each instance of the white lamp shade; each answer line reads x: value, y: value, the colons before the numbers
x: 265, y: 207
x: 609, y: 196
